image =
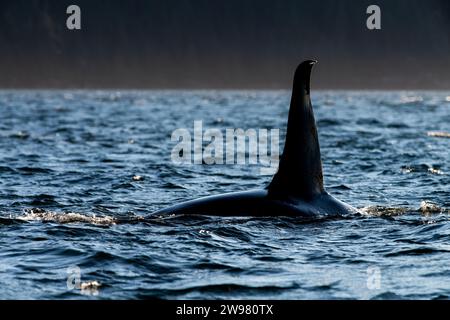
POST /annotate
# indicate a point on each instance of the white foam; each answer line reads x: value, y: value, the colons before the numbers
x: 378, y: 211
x: 438, y: 134
x: 65, y: 217
x: 427, y: 207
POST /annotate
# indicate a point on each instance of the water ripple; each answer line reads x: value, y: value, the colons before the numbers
x: 82, y: 171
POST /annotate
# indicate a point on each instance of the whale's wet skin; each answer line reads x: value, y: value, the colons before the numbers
x: 68, y: 198
x: 297, y: 187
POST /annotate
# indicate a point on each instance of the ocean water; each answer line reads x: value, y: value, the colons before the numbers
x: 76, y: 223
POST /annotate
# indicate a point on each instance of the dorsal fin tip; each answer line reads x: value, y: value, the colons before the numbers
x: 300, y: 170
x: 302, y: 74
x: 310, y: 63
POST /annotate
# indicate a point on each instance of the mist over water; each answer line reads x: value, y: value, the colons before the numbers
x: 68, y: 198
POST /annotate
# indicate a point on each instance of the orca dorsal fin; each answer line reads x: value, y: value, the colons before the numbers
x: 299, y: 173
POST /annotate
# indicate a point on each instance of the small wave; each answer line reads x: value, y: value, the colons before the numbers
x: 369, y: 121
x: 43, y: 200
x: 20, y: 135
x: 33, y: 170
x: 341, y: 187
x: 137, y: 178
x: 5, y: 169
x: 438, y: 134
x: 208, y: 265
x: 328, y: 286
x: 426, y: 208
x: 328, y: 122
x: 90, y: 285
x: 226, y: 288
x: 421, y: 168
x: 381, y: 211
x: 397, y: 125
x: 88, y: 288
x: 9, y: 221
x: 410, y: 100
x: 386, y: 296
x: 37, y: 214
x: 415, y: 252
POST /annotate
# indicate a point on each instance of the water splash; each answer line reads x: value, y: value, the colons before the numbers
x: 382, y: 211
x: 36, y: 214
x: 438, y: 134
x: 425, y: 208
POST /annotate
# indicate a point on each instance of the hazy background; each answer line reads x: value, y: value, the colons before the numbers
x: 223, y: 44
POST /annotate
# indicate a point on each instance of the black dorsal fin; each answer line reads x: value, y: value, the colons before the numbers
x: 300, y: 170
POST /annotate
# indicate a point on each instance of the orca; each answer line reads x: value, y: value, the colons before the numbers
x: 297, y: 187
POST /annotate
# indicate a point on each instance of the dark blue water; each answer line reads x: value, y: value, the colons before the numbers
x: 68, y: 200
